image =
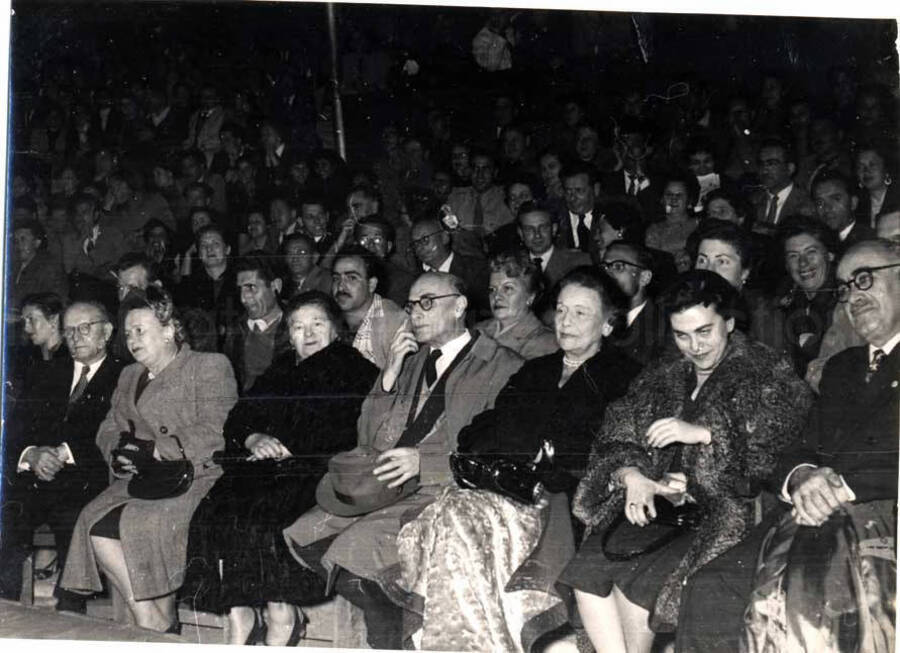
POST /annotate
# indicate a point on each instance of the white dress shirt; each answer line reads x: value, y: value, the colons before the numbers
x: 573, y: 220
x: 546, y: 256
x: 449, y: 352
x: 443, y: 267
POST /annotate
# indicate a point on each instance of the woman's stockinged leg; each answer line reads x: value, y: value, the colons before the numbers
x: 635, y: 622
x: 111, y: 559
x: 600, y: 616
x: 282, y: 620
x: 241, y: 619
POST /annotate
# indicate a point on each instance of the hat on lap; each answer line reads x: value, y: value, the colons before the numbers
x: 350, y: 488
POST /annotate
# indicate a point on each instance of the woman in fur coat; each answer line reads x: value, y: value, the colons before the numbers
x: 706, y: 426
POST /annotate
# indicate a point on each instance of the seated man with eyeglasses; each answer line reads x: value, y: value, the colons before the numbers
x: 846, y: 458
x: 438, y: 376
x: 378, y: 236
x: 644, y: 334
x: 431, y: 245
x: 52, y: 467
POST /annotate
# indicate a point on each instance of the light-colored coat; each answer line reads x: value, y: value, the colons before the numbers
x: 367, y: 545
x: 528, y: 337
x: 190, y: 398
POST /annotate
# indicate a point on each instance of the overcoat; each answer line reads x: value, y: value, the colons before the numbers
x: 753, y: 405
x: 528, y: 337
x: 190, y: 398
x: 471, y: 388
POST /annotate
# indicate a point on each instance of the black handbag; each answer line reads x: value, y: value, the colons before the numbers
x: 155, y: 479
x: 624, y: 541
x: 520, y: 481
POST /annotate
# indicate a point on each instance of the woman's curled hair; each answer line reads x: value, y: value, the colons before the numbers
x: 160, y: 302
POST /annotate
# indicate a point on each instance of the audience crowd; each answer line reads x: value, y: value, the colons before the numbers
x: 655, y: 300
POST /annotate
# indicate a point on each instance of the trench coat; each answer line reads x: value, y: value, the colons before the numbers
x: 190, y: 398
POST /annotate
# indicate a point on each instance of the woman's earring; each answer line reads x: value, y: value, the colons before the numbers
x: 887, y: 180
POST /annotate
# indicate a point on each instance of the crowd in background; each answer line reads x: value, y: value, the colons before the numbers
x: 170, y: 170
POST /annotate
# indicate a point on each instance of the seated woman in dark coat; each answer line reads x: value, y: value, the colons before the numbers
x: 278, y: 440
x: 809, y: 248
x: 460, y: 553
x: 706, y: 425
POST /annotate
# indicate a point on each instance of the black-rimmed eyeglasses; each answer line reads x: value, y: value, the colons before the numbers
x: 425, y: 303
x: 862, y: 279
x: 619, y: 266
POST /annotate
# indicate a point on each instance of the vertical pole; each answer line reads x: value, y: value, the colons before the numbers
x: 335, y: 86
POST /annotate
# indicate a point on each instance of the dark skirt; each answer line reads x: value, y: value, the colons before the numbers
x: 237, y: 555
x: 639, y: 579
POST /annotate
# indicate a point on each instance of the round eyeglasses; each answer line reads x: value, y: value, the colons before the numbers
x: 425, y: 303
x: 862, y: 278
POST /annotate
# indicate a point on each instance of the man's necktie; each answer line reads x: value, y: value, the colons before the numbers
x: 431, y: 367
x: 539, y: 263
x: 877, y: 357
x: 772, y: 213
x: 584, y: 234
x: 478, y: 217
x: 632, y: 185
x: 78, y: 390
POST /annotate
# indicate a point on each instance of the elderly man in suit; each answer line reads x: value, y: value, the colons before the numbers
x: 438, y: 377
x: 372, y: 320
x: 431, y: 246
x: 52, y: 466
x: 847, y: 455
x: 780, y: 197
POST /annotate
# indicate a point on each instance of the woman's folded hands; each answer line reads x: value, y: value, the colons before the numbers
x: 263, y: 446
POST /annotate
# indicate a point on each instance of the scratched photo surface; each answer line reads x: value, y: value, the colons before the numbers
x: 450, y: 328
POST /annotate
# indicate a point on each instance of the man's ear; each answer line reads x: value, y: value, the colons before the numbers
x: 156, y: 283
x: 792, y: 169
x: 644, y: 278
x: 597, y: 189
x: 107, y: 331
x: 553, y: 229
x: 373, y: 284
x: 276, y: 286
x: 462, y: 303
x: 854, y: 200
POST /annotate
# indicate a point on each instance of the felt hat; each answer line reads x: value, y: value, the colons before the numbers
x: 350, y: 488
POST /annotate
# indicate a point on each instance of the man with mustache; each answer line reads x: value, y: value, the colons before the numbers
x: 846, y: 457
x: 372, y: 320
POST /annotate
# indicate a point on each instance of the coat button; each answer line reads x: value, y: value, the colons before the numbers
x: 163, y: 430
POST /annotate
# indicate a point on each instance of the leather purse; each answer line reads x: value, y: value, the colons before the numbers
x: 155, y: 479
x: 624, y: 541
x: 516, y: 480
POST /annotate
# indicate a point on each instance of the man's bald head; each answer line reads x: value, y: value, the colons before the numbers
x: 889, y: 226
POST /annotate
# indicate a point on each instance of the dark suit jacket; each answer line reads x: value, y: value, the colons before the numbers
x: 797, y: 203
x: 43, y: 418
x: 852, y: 428
x: 42, y: 274
x: 647, y: 201
x: 476, y: 275
x: 564, y: 237
x: 646, y: 337
x: 107, y: 250
x: 561, y: 261
x: 233, y: 346
x: 891, y: 203
x: 860, y: 231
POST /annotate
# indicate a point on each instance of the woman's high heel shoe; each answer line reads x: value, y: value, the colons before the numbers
x: 299, y: 629
x: 257, y: 634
